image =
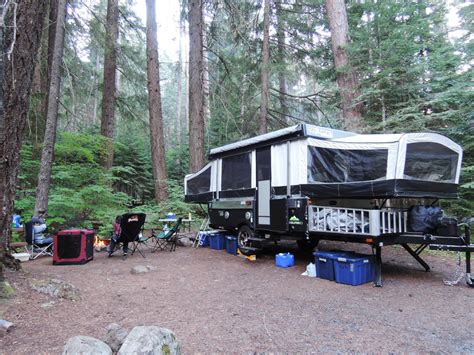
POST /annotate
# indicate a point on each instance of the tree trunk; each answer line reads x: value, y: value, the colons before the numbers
x: 95, y: 91
x: 205, y: 77
x: 196, y: 87
x: 265, y: 62
x: 44, y: 176
x: 281, y: 61
x: 43, y: 71
x: 39, y: 89
x: 15, y: 77
x: 154, y: 103
x: 345, y: 75
x: 109, y: 93
x: 179, y: 93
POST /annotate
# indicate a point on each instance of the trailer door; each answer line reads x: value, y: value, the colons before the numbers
x: 264, y: 172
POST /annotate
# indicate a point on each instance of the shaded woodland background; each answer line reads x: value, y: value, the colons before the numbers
x: 131, y: 123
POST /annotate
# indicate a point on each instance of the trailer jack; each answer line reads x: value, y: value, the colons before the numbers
x: 466, y: 247
x: 469, y: 280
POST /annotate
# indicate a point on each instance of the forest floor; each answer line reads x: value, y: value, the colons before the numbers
x: 219, y: 303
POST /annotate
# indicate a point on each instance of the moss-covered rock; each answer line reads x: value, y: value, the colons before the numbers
x: 6, y: 290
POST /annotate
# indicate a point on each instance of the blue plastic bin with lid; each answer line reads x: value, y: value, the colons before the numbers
x: 324, y: 260
x: 217, y: 241
x: 231, y: 244
x: 356, y: 269
x: 285, y: 260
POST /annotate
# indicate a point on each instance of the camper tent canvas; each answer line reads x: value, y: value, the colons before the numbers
x: 325, y: 163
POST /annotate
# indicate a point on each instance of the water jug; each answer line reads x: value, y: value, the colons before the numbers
x: 311, y: 270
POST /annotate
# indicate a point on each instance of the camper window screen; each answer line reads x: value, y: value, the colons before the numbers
x: 341, y: 165
x: 200, y: 184
x: 430, y: 162
x: 236, y: 172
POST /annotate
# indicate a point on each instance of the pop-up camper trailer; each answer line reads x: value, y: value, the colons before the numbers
x: 309, y: 183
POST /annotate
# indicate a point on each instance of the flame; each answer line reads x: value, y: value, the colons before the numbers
x: 98, y: 242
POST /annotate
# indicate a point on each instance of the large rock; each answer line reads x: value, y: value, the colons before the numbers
x: 5, y: 326
x: 82, y: 344
x: 6, y: 290
x: 184, y: 242
x: 150, y: 340
x: 115, y: 337
x: 56, y: 288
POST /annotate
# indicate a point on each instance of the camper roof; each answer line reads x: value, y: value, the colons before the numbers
x: 300, y: 130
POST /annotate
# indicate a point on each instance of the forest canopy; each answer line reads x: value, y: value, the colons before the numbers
x: 242, y: 67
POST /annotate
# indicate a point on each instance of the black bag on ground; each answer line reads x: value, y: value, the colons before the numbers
x: 424, y: 219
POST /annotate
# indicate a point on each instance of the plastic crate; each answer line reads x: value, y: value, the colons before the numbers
x: 217, y: 241
x: 285, y: 260
x: 354, y: 270
x: 324, y: 261
x: 21, y: 256
x: 231, y: 244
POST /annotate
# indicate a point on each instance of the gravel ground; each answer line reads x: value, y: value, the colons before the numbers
x: 219, y: 303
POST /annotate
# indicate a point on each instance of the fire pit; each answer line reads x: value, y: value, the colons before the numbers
x: 100, y: 244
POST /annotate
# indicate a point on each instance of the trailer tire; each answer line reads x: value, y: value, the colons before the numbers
x: 307, y: 245
x: 244, y: 244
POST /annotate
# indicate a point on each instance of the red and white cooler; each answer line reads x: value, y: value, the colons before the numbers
x: 74, y: 246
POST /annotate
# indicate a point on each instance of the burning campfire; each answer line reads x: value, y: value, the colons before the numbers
x: 100, y: 244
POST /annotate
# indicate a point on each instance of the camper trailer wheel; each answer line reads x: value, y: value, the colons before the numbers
x: 244, y: 240
x: 305, y: 244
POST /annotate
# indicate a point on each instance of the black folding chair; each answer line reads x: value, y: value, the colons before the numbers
x: 167, y: 239
x: 131, y: 225
x: 36, y: 249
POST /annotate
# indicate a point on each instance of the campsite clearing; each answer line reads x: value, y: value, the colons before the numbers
x: 216, y: 302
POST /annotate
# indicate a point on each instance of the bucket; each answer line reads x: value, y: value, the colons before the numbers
x: 231, y: 244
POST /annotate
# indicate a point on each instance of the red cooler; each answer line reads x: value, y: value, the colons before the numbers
x: 75, y: 246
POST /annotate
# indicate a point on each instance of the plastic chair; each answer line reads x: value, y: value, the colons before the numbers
x: 167, y: 239
x: 36, y: 249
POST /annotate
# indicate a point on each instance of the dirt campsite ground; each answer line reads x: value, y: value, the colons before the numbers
x: 219, y: 303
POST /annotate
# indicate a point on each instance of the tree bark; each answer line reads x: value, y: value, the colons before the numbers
x: 265, y: 62
x: 44, y: 176
x: 154, y: 103
x: 179, y: 70
x: 196, y: 87
x: 43, y: 71
x: 281, y: 59
x: 15, y: 78
x: 109, y: 93
x: 345, y: 75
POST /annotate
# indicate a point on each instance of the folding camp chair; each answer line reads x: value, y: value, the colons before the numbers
x: 36, y: 249
x: 130, y: 227
x: 167, y: 239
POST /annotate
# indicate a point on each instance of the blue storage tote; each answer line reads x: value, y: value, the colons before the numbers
x: 354, y: 270
x: 285, y: 260
x: 204, y: 239
x: 324, y: 261
x: 217, y: 241
x: 231, y: 244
